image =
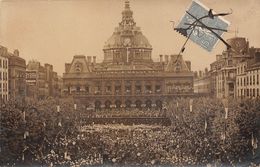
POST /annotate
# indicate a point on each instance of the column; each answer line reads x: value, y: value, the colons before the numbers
x: 153, y: 87
x: 123, y: 87
x: 113, y: 88
x: 133, y: 88
x: 102, y: 87
x: 143, y: 87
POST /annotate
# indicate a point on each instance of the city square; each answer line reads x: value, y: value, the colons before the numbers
x: 128, y: 107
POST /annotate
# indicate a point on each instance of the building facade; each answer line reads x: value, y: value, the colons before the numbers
x: 248, y: 77
x: 127, y: 77
x: 3, y: 74
x: 41, y: 81
x: 203, y: 83
x: 235, y: 72
x: 17, y: 78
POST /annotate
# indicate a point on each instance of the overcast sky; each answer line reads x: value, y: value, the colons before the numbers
x: 53, y: 31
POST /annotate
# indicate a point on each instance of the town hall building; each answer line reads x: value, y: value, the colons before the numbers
x: 127, y: 76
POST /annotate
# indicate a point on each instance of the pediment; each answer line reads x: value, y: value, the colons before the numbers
x: 79, y: 65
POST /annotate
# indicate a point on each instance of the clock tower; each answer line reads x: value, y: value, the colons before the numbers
x: 127, y: 45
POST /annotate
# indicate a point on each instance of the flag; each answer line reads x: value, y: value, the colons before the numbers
x: 206, y: 125
x: 191, y: 101
x: 226, y: 113
x: 58, y: 108
x: 254, y: 142
x: 65, y: 154
x: 26, y: 133
x: 223, y: 136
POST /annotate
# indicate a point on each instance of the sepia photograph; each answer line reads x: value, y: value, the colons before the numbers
x: 130, y: 83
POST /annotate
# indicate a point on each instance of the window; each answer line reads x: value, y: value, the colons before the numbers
x: 148, y: 89
x: 78, y: 88
x: 158, y: 88
x: 128, y: 89
x: 108, y: 89
x: 87, y: 89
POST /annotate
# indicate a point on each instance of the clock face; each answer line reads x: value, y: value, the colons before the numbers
x: 127, y: 41
x: 237, y: 44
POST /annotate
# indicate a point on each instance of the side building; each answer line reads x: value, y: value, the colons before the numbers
x: 3, y: 74
x: 17, y: 77
x: 248, y: 76
x: 203, y: 85
x: 235, y: 72
x: 41, y: 81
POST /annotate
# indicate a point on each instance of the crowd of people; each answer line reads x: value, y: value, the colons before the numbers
x: 127, y: 112
x: 203, y: 131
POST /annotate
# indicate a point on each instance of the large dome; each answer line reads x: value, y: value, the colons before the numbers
x: 137, y: 40
x: 127, y: 43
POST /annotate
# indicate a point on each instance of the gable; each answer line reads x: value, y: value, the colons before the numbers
x: 177, y: 64
x: 79, y: 65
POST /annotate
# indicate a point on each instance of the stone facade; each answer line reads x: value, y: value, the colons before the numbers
x: 17, y: 78
x: 203, y: 83
x: 235, y: 73
x: 41, y: 81
x: 3, y: 74
x: 127, y: 77
x: 248, y: 77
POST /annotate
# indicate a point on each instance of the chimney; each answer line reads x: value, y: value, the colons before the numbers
x: 67, y: 67
x: 94, y: 59
x: 196, y: 74
x: 166, y: 58
x: 161, y: 58
x: 16, y: 52
x: 206, y: 70
x: 188, y: 63
x: 200, y: 73
x: 89, y: 59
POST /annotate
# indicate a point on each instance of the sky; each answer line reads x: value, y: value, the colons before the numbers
x: 53, y: 31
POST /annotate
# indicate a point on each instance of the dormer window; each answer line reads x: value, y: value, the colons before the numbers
x: 178, y: 67
x: 78, y: 67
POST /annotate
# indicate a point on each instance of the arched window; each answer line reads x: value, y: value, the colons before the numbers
x: 78, y: 88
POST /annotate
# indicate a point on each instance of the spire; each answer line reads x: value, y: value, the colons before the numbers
x: 127, y: 5
x: 127, y: 17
